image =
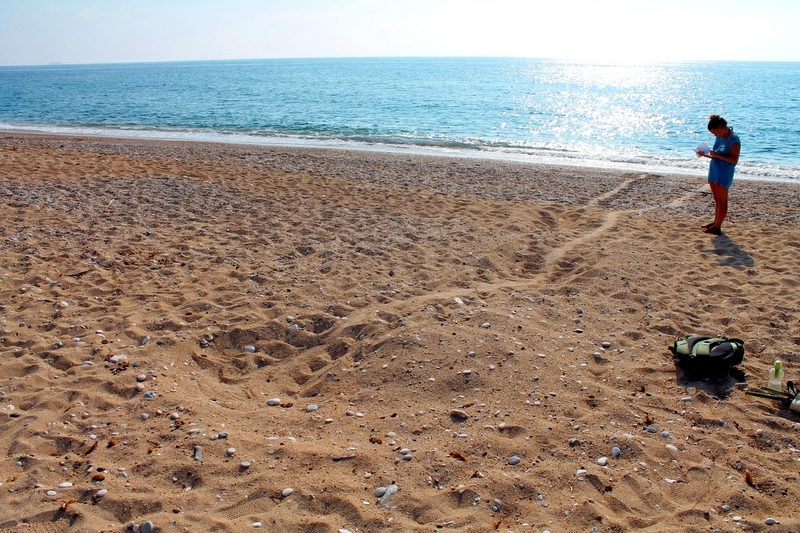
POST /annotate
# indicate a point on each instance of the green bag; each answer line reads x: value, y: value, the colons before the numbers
x: 698, y: 354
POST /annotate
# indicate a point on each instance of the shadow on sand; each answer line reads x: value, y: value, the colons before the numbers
x: 719, y: 387
x: 730, y: 254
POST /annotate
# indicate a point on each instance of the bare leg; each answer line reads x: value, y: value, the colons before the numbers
x: 722, y: 206
x: 720, y: 194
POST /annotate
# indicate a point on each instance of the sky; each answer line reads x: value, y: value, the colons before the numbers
x: 36, y: 32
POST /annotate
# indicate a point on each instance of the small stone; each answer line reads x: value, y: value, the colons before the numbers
x: 117, y: 358
x: 485, y: 325
x: 311, y: 407
x: 289, y: 319
x: 100, y: 493
x: 149, y: 395
x: 605, y: 344
x: 615, y: 451
x: 250, y: 348
x: 686, y: 399
x: 380, y: 491
x: 459, y: 414
x: 603, y: 461
x: 726, y: 507
x: 578, y: 330
x: 759, y: 432
x: 147, y: 527
x: 458, y: 301
x: 175, y: 416
x: 514, y: 460
x: 145, y: 416
x: 198, y: 453
x: 245, y: 465
x: 581, y: 472
x: 51, y: 493
x: 665, y: 434
x: 272, y: 402
x: 496, y: 506
x: 770, y: 521
x: 256, y: 525
x: 141, y: 377
x: 287, y: 492
x: 737, y: 518
x: 65, y: 485
x: 231, y: 451
x: 672, y: 448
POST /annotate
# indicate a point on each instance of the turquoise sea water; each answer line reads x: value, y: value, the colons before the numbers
x: 647, y: 117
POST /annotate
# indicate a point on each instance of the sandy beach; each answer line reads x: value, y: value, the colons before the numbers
x: 225, y: 338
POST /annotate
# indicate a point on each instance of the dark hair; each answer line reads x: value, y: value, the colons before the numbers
x: 715, y: 121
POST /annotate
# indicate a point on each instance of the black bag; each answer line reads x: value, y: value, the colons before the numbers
x: 711, y: 356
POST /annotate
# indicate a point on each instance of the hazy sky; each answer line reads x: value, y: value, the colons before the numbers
x: 99, y: 31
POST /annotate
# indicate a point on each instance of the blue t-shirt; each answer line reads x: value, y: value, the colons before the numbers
x: 721, y: 171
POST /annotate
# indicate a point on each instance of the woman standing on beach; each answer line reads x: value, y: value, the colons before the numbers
x: 723, y: 157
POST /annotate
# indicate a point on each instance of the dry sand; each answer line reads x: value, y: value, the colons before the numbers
x: 387, y: 290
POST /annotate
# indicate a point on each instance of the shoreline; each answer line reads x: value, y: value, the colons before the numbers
x: 217, y: 337
x: 369, y: 147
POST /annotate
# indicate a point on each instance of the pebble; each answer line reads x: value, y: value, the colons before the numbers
x: 51, y: 493
x: 380, y: 491
x: 311, y: 407
x: 230, y: 451
x: 65, y: 485
x: 651, y: 429
x: 245, y: 464
x: 605, y: 344
x: 289, y: 319
x: 581, y: 472
x: 140, y: 386
x: 686, y: 399
x: 250, y: 348
x: 272, y: 402
x: 665, y: 434
x: 737, y: 518
x: 141, y: 377
x: 458, y: 413
x: 615, y: 451
x: 514, y: 460
x: 145, y: 416
x: 149, y: 395
x: 458, y: 301
x: 726, y: 507
x: 496, y: 505
x: 256, y: 525
x: 100, y: 493
x: 343, y: 530
x: 770, y: 521
x: 198, y: 453
x: 147, y: 527
x: 759, y: 432
x: 485, y: 325
x: 578, y: 330
x: 672, y: 448
x: 287, y: 492
x: 603, y: 461
x: 391, y: 490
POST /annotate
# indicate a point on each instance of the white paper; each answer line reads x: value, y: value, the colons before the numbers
x: 703, y: 148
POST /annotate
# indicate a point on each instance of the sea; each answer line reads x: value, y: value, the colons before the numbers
x: 642, y: 117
